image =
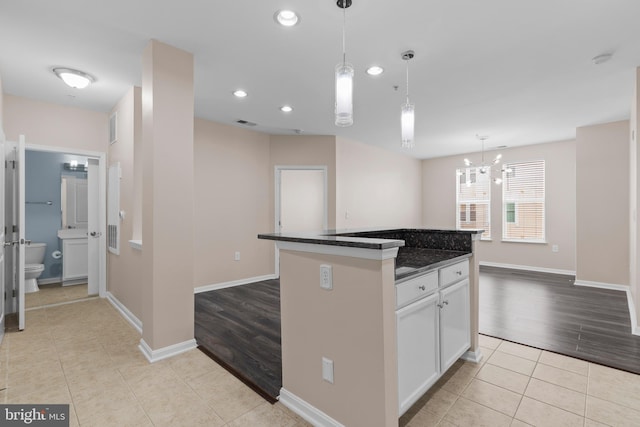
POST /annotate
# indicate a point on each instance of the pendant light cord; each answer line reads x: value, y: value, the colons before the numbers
x: 344, y: 26
x: 407, y: 81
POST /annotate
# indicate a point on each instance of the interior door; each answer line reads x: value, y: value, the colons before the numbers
x: 302, y: 200
x: 2, y: 241
x: 19, y: 204
x: 93, y: 227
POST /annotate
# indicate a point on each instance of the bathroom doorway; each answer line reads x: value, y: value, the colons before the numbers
x: 48, y: 213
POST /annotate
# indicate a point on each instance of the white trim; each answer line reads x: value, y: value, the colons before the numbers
x: 528, y: 268
x: 49, y: 280
x: 57, y: 304
x: 635, y: 328
x: 589, y: 284
x: 277, y: 181
x: 305, y: 410
x: 232, y: 283
x: 472, y: 356
x: 136, y: 244
x: 166, y: 352
x: 124, y: 311
x: 348, y: 251
x: 102, y: 202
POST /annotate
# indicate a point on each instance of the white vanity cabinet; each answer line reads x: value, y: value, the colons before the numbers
x: 433, y: 328
x: 75, y: 256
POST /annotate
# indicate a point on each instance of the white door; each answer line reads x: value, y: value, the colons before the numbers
x: 95, y: 235
x: 2, y: 241
x: 302, y: 200
x: 19, y: 205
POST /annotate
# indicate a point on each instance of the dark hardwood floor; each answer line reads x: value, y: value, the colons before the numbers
x: 549, y: 312
x: 240, y: 328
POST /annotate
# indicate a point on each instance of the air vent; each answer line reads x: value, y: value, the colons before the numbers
x: 245, y: 123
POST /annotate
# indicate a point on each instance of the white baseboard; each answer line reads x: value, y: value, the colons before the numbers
x: 124, y: 311
x: 233, y: 283
x: 49, y: 280
x: 166, y: 352
x: 310, y: 413
x: 528, y: 268
x: 472, y: 356
x: 635, y: 328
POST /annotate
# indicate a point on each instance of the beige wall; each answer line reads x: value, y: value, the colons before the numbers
x: 376, y: 188
x: 55, y: 125
x: 168, y: 195
x: 317, y: 323
x: 439, y: 206
x: 602, y: 203
x: 232, y: 203
x: 304, y: 150
x: 1, y: 111
x: 634, y: 241
x: 124, y: 275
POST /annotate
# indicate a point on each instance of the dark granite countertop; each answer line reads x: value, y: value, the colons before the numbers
x: 411, y: 262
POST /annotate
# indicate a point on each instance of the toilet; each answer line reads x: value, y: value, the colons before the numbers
x: 33, y: 265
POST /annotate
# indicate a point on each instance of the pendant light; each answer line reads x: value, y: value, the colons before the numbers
x: 487, y: 167
x: 344, y: 78
x: 407, y: 117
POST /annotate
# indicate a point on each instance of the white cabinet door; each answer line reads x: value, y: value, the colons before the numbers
x: 418, y: 351
x: 75, y: 261
x: 455, y: 333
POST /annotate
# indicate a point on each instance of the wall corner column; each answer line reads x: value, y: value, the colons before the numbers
x: 167, y: 201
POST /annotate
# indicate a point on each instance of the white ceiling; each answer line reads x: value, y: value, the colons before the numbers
x: 518, y: 71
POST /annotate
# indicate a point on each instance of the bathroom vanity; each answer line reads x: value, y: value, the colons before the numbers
x: 75, y: 258
x: 371, y: 319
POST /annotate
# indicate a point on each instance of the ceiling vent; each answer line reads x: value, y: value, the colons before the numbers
x: 245, y: 123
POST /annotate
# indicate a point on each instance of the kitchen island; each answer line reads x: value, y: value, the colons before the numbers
x: 345, y: 298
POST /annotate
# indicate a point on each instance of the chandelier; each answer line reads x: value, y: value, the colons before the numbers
x: 485, y: 167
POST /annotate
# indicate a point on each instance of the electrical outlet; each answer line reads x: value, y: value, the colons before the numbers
x: 326, y: 279
x: 236, y: 256
x: 555, y: 248
x: 327, y: 370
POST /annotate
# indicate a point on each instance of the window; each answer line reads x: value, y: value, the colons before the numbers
x: 473, y: 196
x: 523, y: 202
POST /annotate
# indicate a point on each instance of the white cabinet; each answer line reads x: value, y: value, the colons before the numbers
x: 433, y: 331
x: 75, y: 261
x: 455, y: 332
x: 418, y: 355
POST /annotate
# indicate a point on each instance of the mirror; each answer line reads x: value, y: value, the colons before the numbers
x: 73, y: 202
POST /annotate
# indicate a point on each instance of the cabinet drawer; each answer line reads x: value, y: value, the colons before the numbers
x: 453, y: 273
x: 417, y: 288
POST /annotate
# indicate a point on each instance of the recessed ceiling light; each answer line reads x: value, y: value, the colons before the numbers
x: 74, y: 78
x: 240, y: 93
x: 286, y: 18
x: 375, y: 70
x: 286, y: 109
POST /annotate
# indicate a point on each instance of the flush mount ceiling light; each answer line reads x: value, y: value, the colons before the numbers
x: 286, y: 18
x: 407, y: 114
x: 240, y: 93
x: 344, y: 78
x: 484, y: 168
x: 375, y: 70
x: 286, y: 109
x: 74, y: 78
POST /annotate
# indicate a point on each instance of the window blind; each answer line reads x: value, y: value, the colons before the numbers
x: 473, y: 198
x: 523, y: 201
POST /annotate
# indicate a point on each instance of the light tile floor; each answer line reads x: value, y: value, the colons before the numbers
x: 55, y: 293
x: 85, y: 354
x: 515, y: 385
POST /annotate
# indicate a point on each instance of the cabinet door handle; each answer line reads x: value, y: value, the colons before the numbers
x: 440, y: 305
x: 422, y: 287
x: 459, y: 272
x: 445, y: 302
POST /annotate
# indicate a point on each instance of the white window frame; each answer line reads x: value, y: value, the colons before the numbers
x: 474, y: 179
x: 543, y: 240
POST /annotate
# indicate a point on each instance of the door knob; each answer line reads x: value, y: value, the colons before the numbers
x: 95, y: 234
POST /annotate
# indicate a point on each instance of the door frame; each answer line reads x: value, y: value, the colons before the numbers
x: 277, y: 193
x: 101, y: 157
